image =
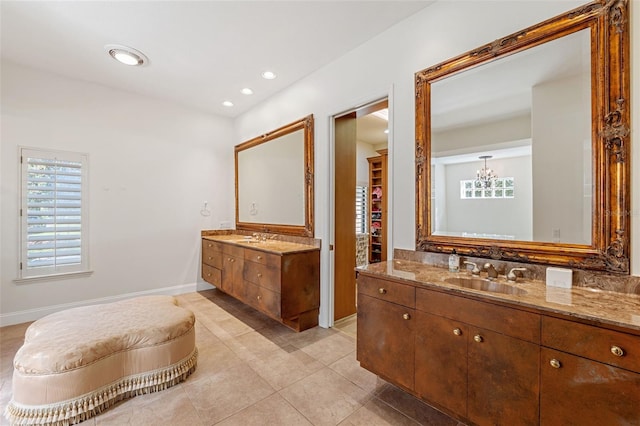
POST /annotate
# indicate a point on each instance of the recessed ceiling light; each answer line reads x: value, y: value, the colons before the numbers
x: 227, y: 103
x: 246, y: 91
x: 126, y: 55
x: 269, y: 75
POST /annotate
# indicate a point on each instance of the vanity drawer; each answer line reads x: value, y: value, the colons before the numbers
x: 212, y: 254
x: 261, y: 257
x: 600, y: 344
x: 402, y: 294
x: 211, y: 275
x: 501, y: 319
x: 233, y: 250
x: 262, y: 299
x: 262, y: 275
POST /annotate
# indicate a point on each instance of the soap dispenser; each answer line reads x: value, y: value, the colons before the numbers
x: 454, y: 262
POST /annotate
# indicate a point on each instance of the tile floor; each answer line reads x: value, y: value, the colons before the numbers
x: 254, y: 371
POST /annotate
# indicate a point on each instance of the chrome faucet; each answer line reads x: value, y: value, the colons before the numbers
x: 511, y: 276
x: 475, y: 270
x: 491, y: 270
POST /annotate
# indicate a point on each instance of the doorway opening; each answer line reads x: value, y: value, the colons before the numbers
x: 361, y: 224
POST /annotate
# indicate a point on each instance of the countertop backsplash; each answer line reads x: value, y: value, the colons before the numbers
x: 628, y: 284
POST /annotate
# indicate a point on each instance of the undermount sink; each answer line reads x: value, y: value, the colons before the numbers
x: 249, y: 241
x: 485, y: 285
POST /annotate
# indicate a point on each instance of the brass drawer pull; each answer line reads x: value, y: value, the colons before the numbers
x: 382, y: 290
x: 555, y: 363
x: 259, y: 257
x: 259, y: 297
x: 478, y: 338
x: 259, y: 275
x: 406, y: 316
x: 231, y: 260
x: 209, y: 257
x: 457, y: 332
x: 209, y: 274
x: 210, y: 245
x: 617, y: 350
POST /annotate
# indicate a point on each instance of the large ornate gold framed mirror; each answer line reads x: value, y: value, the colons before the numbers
x: 274, y: 181
x: 522, y: 145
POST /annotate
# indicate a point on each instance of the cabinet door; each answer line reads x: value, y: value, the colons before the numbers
x: 578, y: 391
x: 232, y: 275
x: 503, y: 387
x: 386, y: 339
x: 441, y: 362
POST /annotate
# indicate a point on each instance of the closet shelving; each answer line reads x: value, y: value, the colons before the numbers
x: 378, y: 207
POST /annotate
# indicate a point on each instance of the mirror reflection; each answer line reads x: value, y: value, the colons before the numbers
x: 271, y: 181
x: 274, y: 181
x: 511, y: 154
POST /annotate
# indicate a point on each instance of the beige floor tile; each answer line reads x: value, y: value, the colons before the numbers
x: 413, y: 407
x: 214, y: 359
x: 220, y: 395
x: 285, y: 366
x: 325, y: 397
x: 376, y: 412
x: 168, y: 407
x: 349, y: 368
x: 252, y: 345
x: 273, y: 410
x: 331, y: 348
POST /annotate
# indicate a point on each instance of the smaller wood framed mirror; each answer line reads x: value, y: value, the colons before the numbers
x: 274, y: 181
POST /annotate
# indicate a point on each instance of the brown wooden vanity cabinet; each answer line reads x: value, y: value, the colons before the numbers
x: 284, y: 286
x: 388, y: 348
x: 589, y: 375
x: 476, y: 359
x: 493, y: 363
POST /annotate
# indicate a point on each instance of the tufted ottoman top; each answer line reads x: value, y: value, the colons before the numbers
x: 52, y: 345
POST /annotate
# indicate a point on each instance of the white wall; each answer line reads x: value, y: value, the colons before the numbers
x: 505, y: 217
x: 560, y: 131
x: 364, y: 150
x: 151, y: 167
x: 385, y: 64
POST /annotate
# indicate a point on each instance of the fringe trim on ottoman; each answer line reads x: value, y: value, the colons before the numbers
x: 93, y: 403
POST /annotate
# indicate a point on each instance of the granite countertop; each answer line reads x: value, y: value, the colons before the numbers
x: 269, y: 245
x: 599, y: 306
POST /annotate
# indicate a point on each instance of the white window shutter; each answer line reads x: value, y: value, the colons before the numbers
x: 54, y: 212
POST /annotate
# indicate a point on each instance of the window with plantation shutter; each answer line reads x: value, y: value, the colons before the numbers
x: 361, y: 209
x: 54, y: 228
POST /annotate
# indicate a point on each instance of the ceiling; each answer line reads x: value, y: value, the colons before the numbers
x: 201, y: 53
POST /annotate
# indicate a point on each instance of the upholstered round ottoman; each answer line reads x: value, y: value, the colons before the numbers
x: 76, y: 363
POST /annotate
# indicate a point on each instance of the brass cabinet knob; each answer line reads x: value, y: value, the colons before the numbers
x: 231, y: 260
x: 259, y: 275
x: 617, y: 350
x: 259, y: 257
x: 406, y: 316
x: 555, y: 363
x: 382, y: 290
x: 259, y: 297
x: 478, y: 338
x: 457, y: 332
x: 210, y: 245
x: 209, y: 258
x: 209, y: 274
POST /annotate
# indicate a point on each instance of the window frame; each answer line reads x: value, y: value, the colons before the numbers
x: 26, y: 273
x: 364, y: 228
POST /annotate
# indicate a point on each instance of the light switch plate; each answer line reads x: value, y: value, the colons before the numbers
x: 559, y: 277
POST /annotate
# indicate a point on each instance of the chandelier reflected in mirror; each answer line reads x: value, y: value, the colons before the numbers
x: 485, y: 176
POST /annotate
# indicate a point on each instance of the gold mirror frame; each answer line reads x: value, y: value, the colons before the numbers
x: 306, y: 230
x: 610, y: 58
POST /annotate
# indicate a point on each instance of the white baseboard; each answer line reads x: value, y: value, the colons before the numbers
x: 19, y: 317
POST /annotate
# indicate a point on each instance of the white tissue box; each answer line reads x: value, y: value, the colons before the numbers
x: 559, y: 277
